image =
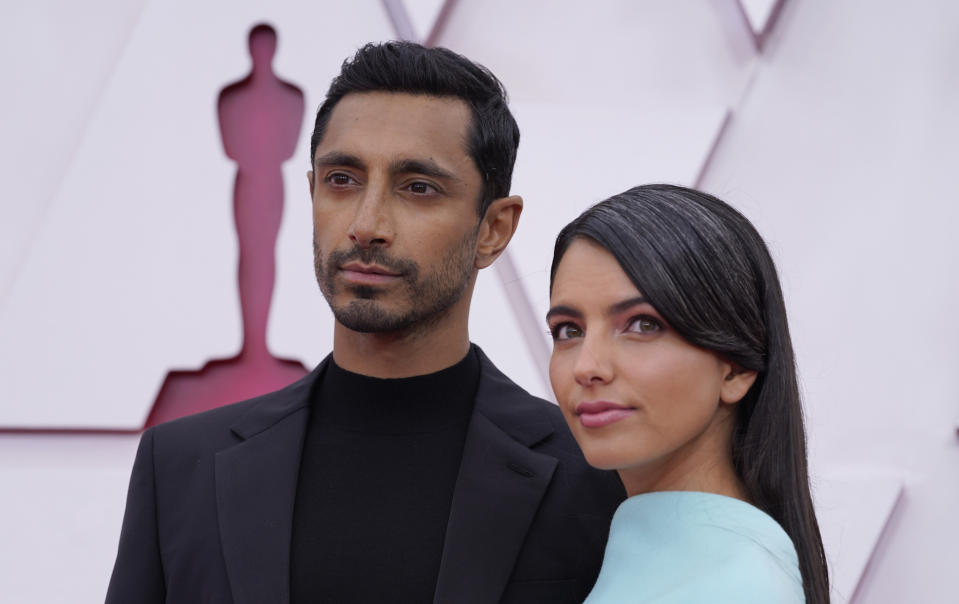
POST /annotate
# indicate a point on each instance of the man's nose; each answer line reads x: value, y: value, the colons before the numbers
x: 372, y: 223
x: 594, y: 363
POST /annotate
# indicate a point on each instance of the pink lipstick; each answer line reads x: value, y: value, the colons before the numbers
x: 596, y: 414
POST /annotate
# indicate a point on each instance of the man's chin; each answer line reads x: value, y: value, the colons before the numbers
x: 369, y: 316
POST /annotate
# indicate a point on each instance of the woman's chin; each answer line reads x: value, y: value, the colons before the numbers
x: 604, y: 459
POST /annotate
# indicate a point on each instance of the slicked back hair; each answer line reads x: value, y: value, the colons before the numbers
x: 706, y: 270
x: 406, y: 67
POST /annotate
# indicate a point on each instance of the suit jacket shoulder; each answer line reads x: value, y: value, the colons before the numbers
x: 220, y: 427
x: 207, y: 500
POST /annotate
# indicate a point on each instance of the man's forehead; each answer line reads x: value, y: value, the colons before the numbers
x: 399, y: 126
x: 420, y: 112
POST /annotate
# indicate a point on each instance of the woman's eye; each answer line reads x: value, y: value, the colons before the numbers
x: 645, y: 324
x: 566, y: 331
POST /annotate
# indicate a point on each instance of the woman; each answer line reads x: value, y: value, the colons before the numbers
x: 673, y: 365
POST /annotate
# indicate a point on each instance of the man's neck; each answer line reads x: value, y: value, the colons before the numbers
x: 402, y: 354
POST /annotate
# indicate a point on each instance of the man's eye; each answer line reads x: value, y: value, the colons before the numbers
x: 339, y: 179
x: 421, y: 188
x: 645, y: 324
x: 566, y: 331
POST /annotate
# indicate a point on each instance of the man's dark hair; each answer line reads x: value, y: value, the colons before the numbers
x: 414, y: 69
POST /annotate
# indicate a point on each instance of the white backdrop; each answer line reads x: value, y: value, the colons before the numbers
x: 832, y: 125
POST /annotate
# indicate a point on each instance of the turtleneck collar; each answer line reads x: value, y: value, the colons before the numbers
x: 418, y: 404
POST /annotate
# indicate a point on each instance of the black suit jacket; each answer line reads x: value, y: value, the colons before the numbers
x: 210, y: 507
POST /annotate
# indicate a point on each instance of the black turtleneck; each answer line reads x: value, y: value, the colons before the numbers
x: 376, y: 481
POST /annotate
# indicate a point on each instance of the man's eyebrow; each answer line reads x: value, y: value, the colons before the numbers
x: 336, y: 158
x: 425, y: 167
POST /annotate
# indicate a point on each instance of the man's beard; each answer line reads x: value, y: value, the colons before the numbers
x: 428, y: 297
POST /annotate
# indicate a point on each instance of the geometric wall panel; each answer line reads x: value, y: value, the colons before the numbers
x: 761, y: 16
x: 854, y: 507
x: 60, y: 514
x: 418, y: 20
x: 58, y: 57
x: 118, y: 254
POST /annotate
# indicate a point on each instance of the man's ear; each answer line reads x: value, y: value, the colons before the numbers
x: 309, y: 177
x: 736, y: 383
x: 497, y: 228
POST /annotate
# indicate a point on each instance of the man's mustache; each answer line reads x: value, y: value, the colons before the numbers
x: 371, y: 255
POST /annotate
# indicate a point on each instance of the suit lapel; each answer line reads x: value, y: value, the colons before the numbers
x: 498, y: 490
x: 500, y: 484
x: 255, y: 491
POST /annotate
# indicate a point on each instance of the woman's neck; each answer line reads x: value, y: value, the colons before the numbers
x: 703, y: 464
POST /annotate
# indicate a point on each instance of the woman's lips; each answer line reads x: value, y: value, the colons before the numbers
x: 596, y: 414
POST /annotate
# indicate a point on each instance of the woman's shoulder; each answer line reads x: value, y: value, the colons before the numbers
x: 695, y: 547
x: 748, y: 571
x: 682, y: 517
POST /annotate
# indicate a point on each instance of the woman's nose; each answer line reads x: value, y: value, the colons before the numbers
x: 593, y: 363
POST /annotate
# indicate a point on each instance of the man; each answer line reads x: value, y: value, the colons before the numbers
x: 406, y: 467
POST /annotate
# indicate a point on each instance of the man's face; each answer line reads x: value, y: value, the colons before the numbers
x: 395, y: 196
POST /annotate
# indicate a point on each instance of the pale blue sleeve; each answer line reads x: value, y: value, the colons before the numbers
x: 750, y: 575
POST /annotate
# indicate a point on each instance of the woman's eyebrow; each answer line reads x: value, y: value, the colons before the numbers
x: 566, y: 311
x: 614, y: 309
x: 625, y: 305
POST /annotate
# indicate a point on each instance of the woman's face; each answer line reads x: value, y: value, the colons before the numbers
x: 638, y: 398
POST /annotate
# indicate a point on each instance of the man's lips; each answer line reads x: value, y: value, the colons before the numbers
x: 595, y: 414
x: 367, y: 274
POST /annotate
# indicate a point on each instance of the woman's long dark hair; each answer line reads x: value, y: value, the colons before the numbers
x: 703, y: 266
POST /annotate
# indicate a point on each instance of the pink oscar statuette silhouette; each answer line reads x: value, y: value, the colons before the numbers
x: 260, y: 119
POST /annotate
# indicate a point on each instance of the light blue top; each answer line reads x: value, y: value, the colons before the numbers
x: 681, y: 547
